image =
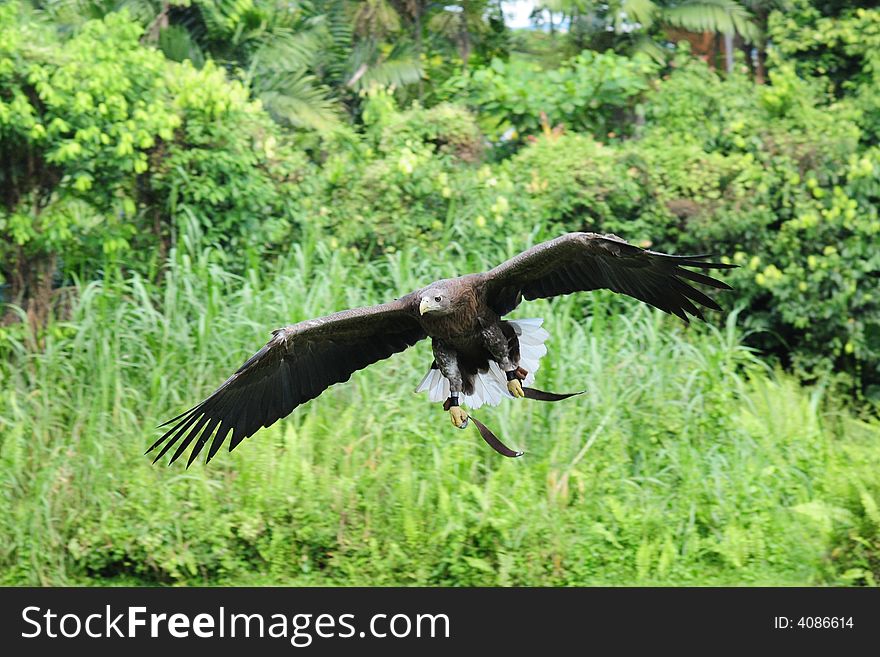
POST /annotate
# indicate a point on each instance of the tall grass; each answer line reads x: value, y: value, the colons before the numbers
x: 687, y: 461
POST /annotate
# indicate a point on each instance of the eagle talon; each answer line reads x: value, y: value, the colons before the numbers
x: 458, y: 416
x: 514, y: 387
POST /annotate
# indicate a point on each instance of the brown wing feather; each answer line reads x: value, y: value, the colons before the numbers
x: 579, y: 262
x: 296, y: 365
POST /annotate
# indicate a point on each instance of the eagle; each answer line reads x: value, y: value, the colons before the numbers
x: 479, y: 357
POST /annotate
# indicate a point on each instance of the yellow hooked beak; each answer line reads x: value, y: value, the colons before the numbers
x: 424, y: 306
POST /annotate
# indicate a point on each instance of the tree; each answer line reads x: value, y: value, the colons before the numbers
x: 77, y: 121
x: 269, y: 45
x: 761, y: 10
x: 307, y: 61
x: 641, y: 24
x: 470, y: 26
x: 108, y: 150
x: 357, y: 55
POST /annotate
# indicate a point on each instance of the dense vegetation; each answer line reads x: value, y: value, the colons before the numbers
x: 178, y: 178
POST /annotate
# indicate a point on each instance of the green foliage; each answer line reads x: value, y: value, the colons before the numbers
x: 449, y: 129
x: 77, y: 122
x: 841, y: 45
x: 229, y: 174
x: 304, y: 60
x: 596, y: 93
x: 109, y: 148
x: 473, y: 30
x: 780, y: 182
x: 403, y: 182
x: 643, y: 25
x: 840, y: 48
x: 573, y: 182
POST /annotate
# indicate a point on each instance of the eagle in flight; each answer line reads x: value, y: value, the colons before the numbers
x: 479, y: 357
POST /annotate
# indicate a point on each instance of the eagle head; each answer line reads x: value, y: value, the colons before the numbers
x: 436, y: 301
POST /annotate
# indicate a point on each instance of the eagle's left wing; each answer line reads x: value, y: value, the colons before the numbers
x: 589, y: 261
x: 296, y: 365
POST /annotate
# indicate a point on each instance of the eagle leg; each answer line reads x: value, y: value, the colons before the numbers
x: 499, y: 346
x: 457, y: 414
x: 514, y: 385
x: 459, y: 417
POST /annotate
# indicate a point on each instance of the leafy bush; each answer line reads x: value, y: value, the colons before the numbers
x: 401, y: 182
x: 77, y: 122
x: 229, y: 172
x: 839, y: 46
x: 573, y: 182
x: 110, y: 151
x: 449, y: 129
x: 592, y: 92
x: 783, y: 185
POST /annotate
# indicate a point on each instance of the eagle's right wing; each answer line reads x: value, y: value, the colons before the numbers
x: 296, y: 365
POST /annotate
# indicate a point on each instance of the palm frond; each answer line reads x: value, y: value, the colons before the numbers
x: 397, y: 72
x: 723, y: 16
x: 645, y: 44
x: 445, y: 23
x: 365, y: 66
x: 341, y: 36
x: 224, y: 19
x: 290, y: 48
x: 376, y: 18
x: 643, y: 12
x: 177, y: 44
x: 299, y: 100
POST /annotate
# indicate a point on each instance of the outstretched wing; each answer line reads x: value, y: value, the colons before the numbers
x: 578, y: 262
x: 296, y: 365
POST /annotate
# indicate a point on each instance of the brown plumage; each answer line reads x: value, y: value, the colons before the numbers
x: 463, y: 316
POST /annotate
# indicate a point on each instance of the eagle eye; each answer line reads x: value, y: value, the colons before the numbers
x: 437, y: 299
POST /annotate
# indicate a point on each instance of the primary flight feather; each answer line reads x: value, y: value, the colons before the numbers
x: 478, y: 356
